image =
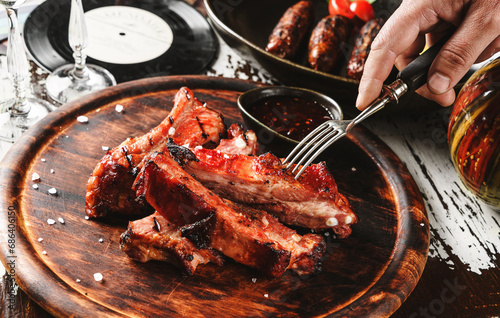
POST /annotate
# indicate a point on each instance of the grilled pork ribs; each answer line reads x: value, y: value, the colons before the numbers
x: 190, y: 123
x: 213, y: 196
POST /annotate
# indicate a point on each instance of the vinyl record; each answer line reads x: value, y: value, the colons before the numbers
x: 130, y: 38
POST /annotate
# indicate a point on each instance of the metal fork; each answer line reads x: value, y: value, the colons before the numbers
x: 410, y: 78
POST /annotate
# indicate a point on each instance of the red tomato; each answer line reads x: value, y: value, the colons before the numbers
x: 340, y: 7
x: 363, y: 9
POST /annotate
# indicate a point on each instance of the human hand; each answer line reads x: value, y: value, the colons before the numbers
x: 416, y: 23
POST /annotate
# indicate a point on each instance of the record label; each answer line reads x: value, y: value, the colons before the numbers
x: 126, y: 35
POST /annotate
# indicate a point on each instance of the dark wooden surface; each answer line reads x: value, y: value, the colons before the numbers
x: 371, y: 272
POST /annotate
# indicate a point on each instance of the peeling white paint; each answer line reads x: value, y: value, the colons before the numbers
x: 461, y: 226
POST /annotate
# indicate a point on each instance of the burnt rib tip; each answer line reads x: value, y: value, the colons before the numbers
x: 156, y: 225
x: 125, y: 237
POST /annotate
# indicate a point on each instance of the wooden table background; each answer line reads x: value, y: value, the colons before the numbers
x: 462, y: 275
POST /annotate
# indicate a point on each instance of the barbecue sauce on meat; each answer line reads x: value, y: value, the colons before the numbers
x: 293, y: 117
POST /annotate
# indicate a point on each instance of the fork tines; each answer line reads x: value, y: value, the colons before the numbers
x: 312, y: 145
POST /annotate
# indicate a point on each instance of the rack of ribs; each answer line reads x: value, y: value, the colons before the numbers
x: 190, y: 123
x: 312, y: 201
x: 250, y: 237
x: 156, y: 238
x: 212, y: 196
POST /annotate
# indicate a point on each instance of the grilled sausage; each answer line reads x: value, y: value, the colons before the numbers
x: 326, y: 40
x: 362, y: 46
x: 285, y: 39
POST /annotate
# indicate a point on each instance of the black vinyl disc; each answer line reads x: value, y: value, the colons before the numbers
x: 130, y: 38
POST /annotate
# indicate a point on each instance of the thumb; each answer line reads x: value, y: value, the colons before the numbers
x: 460, y: 52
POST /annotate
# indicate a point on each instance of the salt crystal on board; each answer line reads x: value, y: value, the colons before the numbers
x: 61, y: 220
x: 119, y: 108
x: 35, y: 177
x: 82, y: 119
x: 50, y: 221
x: 52, y: 190
x: 98, y: 277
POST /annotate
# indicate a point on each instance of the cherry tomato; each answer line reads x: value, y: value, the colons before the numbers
x: 340, y: 7
x: 363, y: 9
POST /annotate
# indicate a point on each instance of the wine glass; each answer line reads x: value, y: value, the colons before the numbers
x: 19, y: 113
x: 71, y: 81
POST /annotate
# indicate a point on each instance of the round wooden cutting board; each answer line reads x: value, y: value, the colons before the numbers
x: 371, y: 272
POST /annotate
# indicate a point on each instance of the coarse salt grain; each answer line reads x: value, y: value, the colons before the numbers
x: 61, y: 220
x: 101, y: 240
x: 43, y: 159
x: 77, y: 280
x: 348, y: 219
x: 353, y: 169
x: 266, y: 295
x: 52, y: 190
x: 98, y: 277
x: 40, y: 239
x: 254, y: 280
x: 171, y: 131
x: 35, y: 186
x: 119, y: 108
x: 44, y: 252
x: 86, y: 217
x: 105, y: 148
x: 332, y: 222
x: 50, y: 221
x: 82, y: 119
x: 240, y: 142
x: 52, y: 171
x: 35, y: 177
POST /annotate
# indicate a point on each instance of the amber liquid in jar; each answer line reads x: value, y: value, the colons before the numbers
x: 293, y: 117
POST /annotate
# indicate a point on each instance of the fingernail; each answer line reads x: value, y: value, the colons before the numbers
x: 358, y: 101
x: 439, y: 83
x: 360, y: 90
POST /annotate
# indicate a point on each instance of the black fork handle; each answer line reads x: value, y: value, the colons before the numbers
x: 414, y: 75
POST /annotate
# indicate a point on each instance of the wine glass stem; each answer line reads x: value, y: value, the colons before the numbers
x: 17, y: 65
x: 78, y: 39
